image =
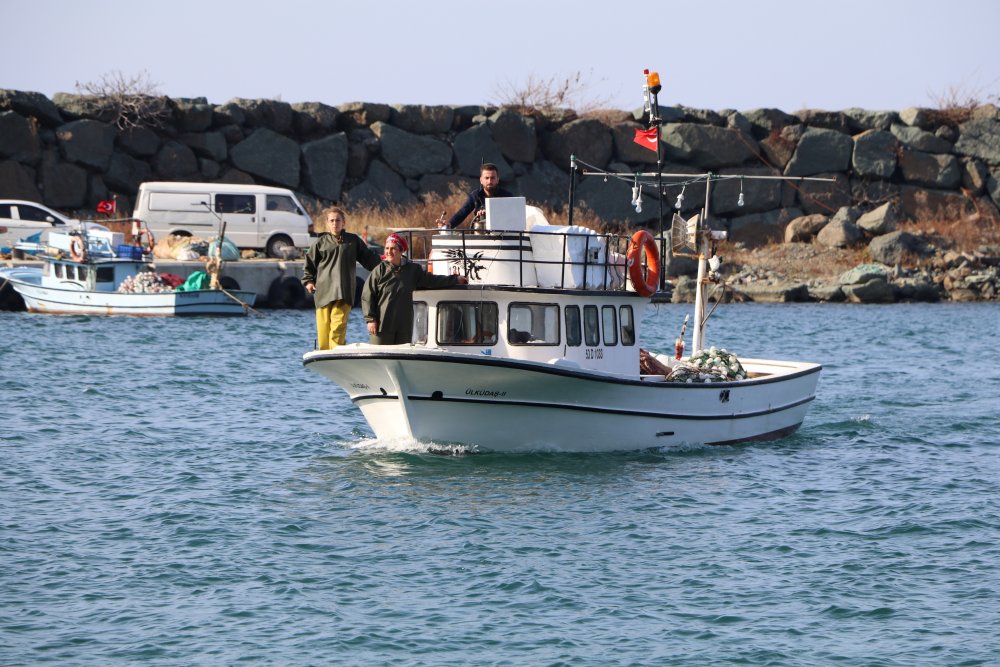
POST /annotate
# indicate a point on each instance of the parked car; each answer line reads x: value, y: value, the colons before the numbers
x: 21, y: 220
x: 25, y: 225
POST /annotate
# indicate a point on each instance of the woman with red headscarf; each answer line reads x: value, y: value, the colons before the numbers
x: 387, y: 299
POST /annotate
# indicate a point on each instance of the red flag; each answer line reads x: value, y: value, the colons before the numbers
x: 106, y: 206
x: 647, y: 138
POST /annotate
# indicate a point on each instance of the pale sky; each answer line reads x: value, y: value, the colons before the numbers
x: 722, y: 54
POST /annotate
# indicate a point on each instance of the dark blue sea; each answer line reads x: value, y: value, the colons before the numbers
x: 184, y: 492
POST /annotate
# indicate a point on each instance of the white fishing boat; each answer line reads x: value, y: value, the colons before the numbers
x: 541, y: 350
x: 93, y: 275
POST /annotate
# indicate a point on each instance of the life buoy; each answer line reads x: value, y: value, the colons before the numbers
x: 642, y: 241
x: 77, y: 249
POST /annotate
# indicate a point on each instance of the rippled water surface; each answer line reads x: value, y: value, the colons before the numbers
x: 183, y: 492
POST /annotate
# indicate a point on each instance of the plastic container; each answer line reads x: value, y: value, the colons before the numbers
x: 130, y: 252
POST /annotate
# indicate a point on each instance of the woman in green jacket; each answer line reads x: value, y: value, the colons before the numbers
x: 387, y: 299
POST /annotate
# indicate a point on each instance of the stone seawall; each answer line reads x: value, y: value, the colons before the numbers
x: 69, y: 154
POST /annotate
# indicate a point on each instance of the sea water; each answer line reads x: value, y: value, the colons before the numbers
x: 184, y: 492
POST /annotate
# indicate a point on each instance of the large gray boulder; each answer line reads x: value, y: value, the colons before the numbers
x: 917, y: 117
x: 18, y: 140
x: 840, y: 233
x: 422, y: 119
x: 139, y: 141
x: 877, y: 290
x: 355, y: 115
x: 175, y: 162
x: 779, y: 146
x: 775, y: 291
x: 932, y: 170
x: 545, y: 184
x: 125, y: 173
x: 767, y: 121
x: 17, y: 182
x: 890, y: 248
x: 863, y: 119
x: 586, y: 138
x: 827, y: 120
x: 974, y: 175
x: 705, y: 146
x: 193, y: 115
x: 475, y: 146
x: 411, y: 155
x: 381, y: 189
x: 64, y: 184
x: 980, y: 138
x: 211, y: 145
x: 324, y: 164
x: 819, y: 151
x: 515, y: 134
x: 824, y: 197
x: 805, y: 227
x: 875, y: 154
x: 314, y: 118
x: 881, y: 220
x: 87, y: 142
x: 30, y: 104
x: 268, y: 155
x: 270, y: 114
x: 920, y: 140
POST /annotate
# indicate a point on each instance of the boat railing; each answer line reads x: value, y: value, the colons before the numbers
x: 534, y: 258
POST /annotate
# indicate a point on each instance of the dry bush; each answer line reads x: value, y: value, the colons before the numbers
x: 131, y: 101
x: 557, y: 92
x: 956, y: 104
x: 961, y: 233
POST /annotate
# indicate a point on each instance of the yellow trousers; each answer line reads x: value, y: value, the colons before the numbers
x: 331, y: 324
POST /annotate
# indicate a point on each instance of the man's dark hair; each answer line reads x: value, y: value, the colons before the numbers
x: 488, y: 166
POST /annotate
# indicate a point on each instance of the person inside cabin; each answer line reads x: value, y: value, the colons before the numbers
x: 330, y: 274
x: 387, y: 298
x: 489, y: 186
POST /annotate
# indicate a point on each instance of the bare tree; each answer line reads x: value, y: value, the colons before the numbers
x: 573, y: 92
x: 130, y: 101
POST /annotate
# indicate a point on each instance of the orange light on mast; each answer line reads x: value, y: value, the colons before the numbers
x: 653, y: 82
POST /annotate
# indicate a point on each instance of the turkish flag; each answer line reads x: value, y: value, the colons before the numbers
x: 106, y: 206
x: 647, y: 138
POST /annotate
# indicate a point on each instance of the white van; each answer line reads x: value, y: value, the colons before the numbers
x: 257, y: 216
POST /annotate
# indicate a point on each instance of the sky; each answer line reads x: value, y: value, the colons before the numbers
x: 724, y: 54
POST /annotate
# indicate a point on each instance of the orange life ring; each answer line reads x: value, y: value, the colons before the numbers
x: 642, y: 241
x: 77, y: 250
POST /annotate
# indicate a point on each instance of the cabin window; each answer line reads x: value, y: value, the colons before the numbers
x: 235, y: 204
x: 5, y: 211
x: 533, y: 324
x: 81, y: 273
x: 57, y: 270
x: 281, y: 203
x: 610, y: 317
x: 420, y: 322
x: 105, y: 274
x: 467, y: 323
x: 591, y: 327
x: 628, y: 325
x: 573, y: 335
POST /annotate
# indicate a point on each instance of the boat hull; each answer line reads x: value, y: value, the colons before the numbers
x: 55, y: 300
x: 515, y: 406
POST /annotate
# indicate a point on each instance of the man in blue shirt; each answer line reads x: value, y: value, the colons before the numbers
x: 489, y: 180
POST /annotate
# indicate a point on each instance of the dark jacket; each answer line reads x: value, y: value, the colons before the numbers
x: 475, y: 201
x: 331, y: 266
x: 388, y: 296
